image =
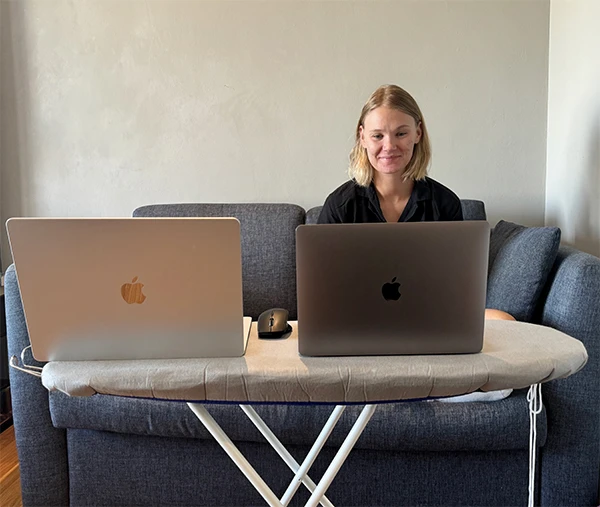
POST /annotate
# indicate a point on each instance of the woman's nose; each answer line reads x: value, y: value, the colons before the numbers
x: 387, y: 143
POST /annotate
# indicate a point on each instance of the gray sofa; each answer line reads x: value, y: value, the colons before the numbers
x: 113, y: 451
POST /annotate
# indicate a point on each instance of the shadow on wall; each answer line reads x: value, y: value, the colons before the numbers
x: 587, y: 230
x: 15, y: 157
x: 581, y: 221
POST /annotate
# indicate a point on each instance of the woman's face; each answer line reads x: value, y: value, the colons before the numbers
x: 389, y: 136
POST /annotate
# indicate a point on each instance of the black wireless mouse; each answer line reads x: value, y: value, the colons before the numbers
x: 273, y: 323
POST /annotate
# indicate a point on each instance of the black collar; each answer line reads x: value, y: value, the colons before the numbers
x: 421, y: 192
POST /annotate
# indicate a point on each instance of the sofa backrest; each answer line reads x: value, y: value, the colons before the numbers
x: 472, y: 210
x: 268, y: 248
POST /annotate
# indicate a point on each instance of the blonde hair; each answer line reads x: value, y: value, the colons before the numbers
x: 394, y: 97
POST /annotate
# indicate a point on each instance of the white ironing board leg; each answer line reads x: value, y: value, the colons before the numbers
x: 221, y: 437
x: 318, y: 491
x: 341, y: 455
x: 301, y: 476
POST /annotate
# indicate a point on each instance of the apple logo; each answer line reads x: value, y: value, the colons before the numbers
x: 132, y: 292
x: 391, y: 290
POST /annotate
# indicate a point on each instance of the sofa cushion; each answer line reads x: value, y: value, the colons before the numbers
x: 268, y: 248
x: 519, y: 264
x: 408, y: 426
x: 111, y: 469
x: 472, y: 210
x: 312, y: 215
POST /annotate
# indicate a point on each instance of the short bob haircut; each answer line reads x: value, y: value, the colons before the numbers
x: 394, y: 97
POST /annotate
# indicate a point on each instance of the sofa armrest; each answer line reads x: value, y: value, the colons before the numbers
x: 570, y: 466
x: 42, y: 448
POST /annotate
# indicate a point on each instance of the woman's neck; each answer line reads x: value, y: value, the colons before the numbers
x: 392, y: 187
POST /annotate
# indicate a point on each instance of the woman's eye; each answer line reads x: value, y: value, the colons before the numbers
x: 401, y: 134
x: 377, y: 136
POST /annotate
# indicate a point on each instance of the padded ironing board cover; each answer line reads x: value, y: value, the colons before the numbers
x: 515, y: 355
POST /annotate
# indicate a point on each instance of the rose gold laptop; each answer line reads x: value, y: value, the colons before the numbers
x: 130, y: 288
x: 406, y: 288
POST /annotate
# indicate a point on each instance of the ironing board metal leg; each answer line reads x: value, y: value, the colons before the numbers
x: 318, y: 491
x: 300, y: 470
x: 221, y: 437
x: 342, y: 454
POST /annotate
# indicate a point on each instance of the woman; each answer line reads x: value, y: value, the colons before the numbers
x: 388, y: 170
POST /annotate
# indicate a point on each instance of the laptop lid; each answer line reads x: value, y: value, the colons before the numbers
x: 130, y: 288
x: 406, y: 288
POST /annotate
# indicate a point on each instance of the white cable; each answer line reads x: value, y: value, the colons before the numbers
x: 534, y: 397
x: 25, y: 365
x: 26, y: 368
x: 14, y: 363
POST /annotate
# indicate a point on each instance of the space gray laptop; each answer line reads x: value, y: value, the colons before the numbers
x: 130, y: 288
x: 406, y: 288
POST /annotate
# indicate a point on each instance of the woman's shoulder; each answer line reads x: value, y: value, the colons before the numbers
x: 446, y: 201
x: 341, y: 204
x: 438, y: 190
x: 348, y: 191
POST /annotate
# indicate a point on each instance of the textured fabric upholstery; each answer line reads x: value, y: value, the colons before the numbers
x: 572, y: 456
x: 520, y: 261
x: 42, y: 448
x: 421, y: 426
x: 268, y: 248
x: 312, y: 215
x: 473, y: 209
x: 162, y: 472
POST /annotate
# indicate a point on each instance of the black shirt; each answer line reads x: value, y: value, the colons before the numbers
x: 429, y: 201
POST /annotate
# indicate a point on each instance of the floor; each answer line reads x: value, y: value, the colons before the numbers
x: 10, y: 486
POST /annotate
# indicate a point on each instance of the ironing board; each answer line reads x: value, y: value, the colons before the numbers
x: 515, y: 355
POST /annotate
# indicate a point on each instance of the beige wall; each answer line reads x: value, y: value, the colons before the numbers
x: 573, y: 171
x: 107, y: 105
